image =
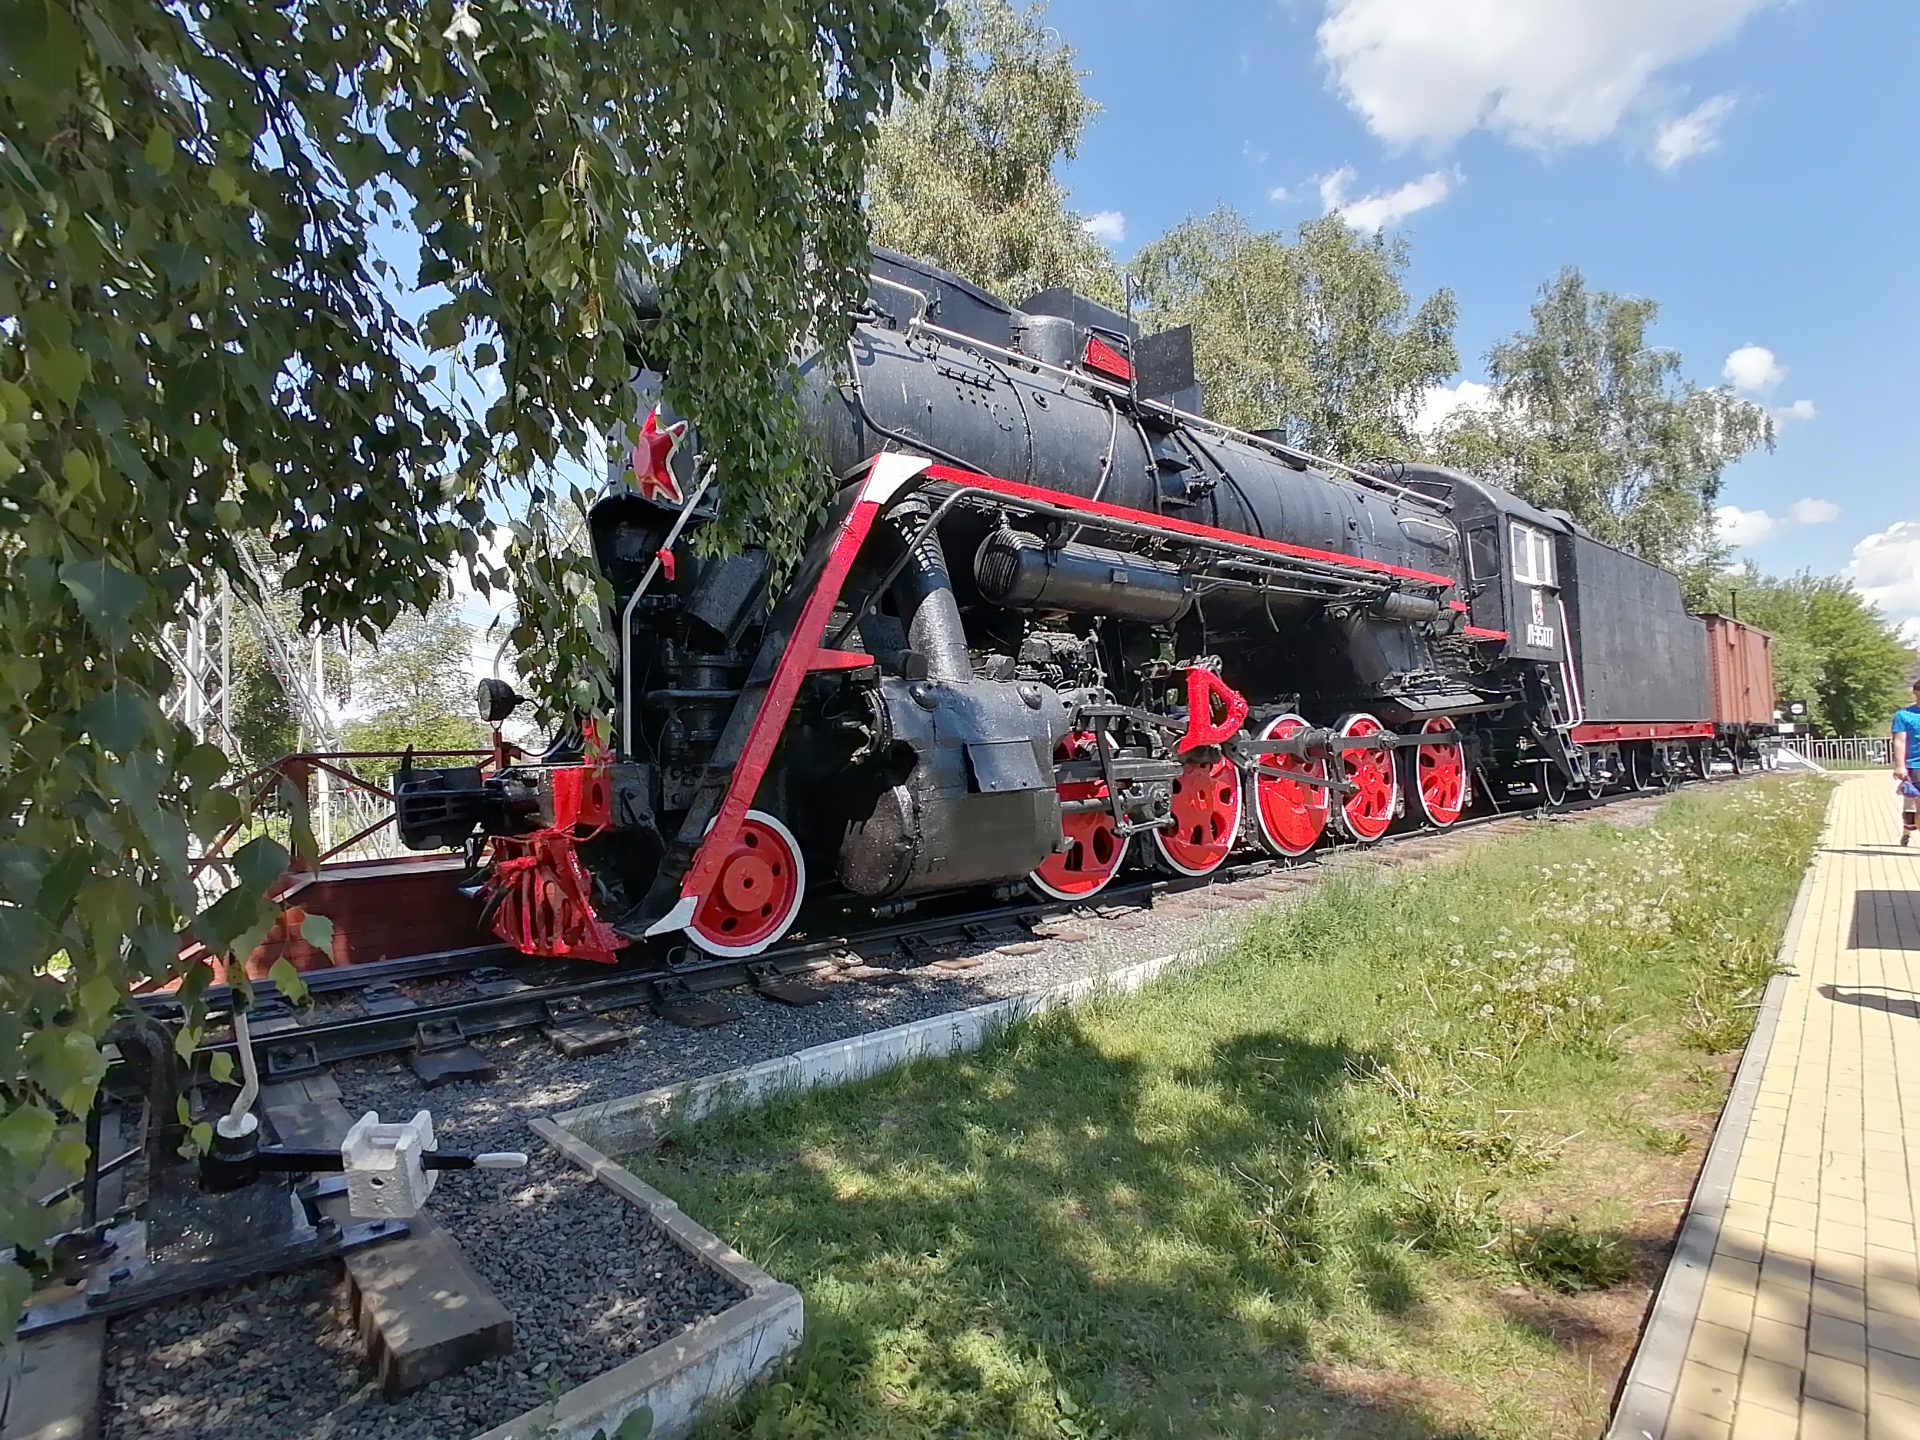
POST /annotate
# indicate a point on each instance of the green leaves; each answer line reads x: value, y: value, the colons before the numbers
x: 963, y: 175
x: 1316, y: 335
x: 1592, y: 419
x: 212, y: 347
x: 107, y: 596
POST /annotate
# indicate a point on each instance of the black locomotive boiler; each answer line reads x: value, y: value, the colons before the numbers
x: 1056, y: 622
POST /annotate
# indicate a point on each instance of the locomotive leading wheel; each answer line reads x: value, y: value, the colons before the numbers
x: 1206, y: 818
x: 1289, y: 816
x: 1441, y: 771
x: 1366, y: 814
x: 757, y: 893
x: 1094, y: 848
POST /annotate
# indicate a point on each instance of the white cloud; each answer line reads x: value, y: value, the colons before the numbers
x: 1694, y: 133
x: 1813, y: 512
x: 1741, y: 528
x: 1752, y: 369
x: 1442, y: 402
x: 1383, y: 207
x: 1886, y: 569
x: 1798, y: 410
x: 1543, y: 72
x: 1109, y: 227
x: 1279, y: 193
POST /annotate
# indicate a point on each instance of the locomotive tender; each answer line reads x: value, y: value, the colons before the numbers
x: 1055, y: 619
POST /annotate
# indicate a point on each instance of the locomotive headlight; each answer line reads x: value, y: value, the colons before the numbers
x: 496, y: 700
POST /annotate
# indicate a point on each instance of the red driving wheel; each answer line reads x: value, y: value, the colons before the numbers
x: 757, y: 893
x: 1206, y: 818
x: 1368, y: 811
x: 1290, y: 816
x: 1441, y: 773
x: 1094, y: 845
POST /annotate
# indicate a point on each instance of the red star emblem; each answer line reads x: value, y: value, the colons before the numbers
x: 651, y: 470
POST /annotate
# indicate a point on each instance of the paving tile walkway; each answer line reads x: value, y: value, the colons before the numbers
x: 1792, y: 1308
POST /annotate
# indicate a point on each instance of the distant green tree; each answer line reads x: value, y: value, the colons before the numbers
x: 417, y: 683
x: 1589, y: 418
x: 963, y: 175
x: 1316, y: 335
x: 1831, y: 647
x: 264, y: 724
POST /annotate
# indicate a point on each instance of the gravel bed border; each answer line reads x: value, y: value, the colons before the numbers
x: 639, y: 1122
x: 676, y: 1380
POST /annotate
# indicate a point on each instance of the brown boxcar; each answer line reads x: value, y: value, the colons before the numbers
x: 1739, y: 672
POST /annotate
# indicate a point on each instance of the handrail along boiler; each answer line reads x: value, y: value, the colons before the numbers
x: 1055, y: 619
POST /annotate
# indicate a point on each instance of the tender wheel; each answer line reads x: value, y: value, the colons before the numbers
x: 1553, y: 785
x: 1366, y: 814
x: 1441, y: 773
x: 1095, y: 847
x: 757, y: 894
x: 1639, y: 766
x: 1289, y: 816
x: 1206, y: 819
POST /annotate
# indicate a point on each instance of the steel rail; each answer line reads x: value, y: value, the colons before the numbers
x: 301, y: 1048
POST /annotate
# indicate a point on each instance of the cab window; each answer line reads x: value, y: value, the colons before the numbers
x: 1532, y: 555
x: 1483, y: 552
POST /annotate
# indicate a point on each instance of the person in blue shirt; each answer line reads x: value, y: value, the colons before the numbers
x: 1906, y: 763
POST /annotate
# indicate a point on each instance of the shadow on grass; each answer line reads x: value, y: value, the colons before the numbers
x: 1047, y: 1240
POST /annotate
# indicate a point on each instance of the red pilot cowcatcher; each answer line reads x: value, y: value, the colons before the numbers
x: 538, y: 893
x: 652, y: 457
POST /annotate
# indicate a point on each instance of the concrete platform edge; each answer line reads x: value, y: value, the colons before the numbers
x: 1647, y: 1393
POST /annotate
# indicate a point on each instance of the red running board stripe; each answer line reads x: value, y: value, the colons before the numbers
x: 1602, y: 733
x: 1179, y: 527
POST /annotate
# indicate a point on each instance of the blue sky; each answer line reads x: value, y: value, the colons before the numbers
x: 1750, y: 164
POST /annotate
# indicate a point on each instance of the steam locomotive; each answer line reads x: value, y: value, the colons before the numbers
x: 1055, y: 621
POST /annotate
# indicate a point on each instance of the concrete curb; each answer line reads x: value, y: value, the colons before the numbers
x: 1646, y: 1395
x: 676, y: 1381
x: 638, y: 1122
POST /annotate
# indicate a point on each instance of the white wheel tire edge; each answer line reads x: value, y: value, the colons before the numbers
x: 1250, y: 801
x: 738, y: 952
x: 1160, y: 845
x: 1033, y: 879
x: 1340, y: 811
x: 1466, y: 787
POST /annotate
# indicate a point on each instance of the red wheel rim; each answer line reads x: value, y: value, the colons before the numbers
x: 1095, y: 847
x: 758, y: 892
x: 1289, y: 816
x: 1206, y: 818
x: 1367, y: 812
x: 1442, y: 773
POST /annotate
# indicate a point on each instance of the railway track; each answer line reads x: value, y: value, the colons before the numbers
x: 457, y: 996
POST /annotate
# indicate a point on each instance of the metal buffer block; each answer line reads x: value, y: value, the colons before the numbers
x: 247, y: 1217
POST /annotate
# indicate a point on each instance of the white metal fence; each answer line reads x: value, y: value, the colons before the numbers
x: 1845, y: 749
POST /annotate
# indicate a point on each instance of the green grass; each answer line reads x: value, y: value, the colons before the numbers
x: 1349, y: 1181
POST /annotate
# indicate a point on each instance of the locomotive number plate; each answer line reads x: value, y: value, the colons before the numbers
x: 1540, y: 637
